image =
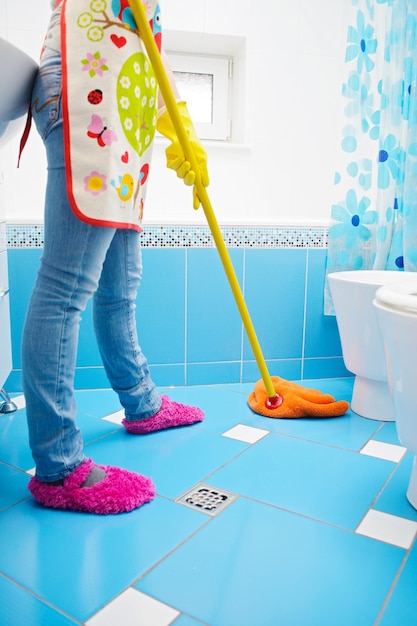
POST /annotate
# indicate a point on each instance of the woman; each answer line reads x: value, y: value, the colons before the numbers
x: 95, y: 105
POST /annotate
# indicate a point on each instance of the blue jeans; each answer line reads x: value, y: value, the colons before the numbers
x: 79, y: 261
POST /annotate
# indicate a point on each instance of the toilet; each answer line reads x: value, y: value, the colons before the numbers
x: 353, y: 293
x: 17, y: 75
x: 396, y: 312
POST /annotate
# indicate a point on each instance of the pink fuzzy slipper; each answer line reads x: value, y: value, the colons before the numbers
x: 120, y: 491
x: 170, y: 414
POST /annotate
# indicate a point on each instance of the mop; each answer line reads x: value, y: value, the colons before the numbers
x: 272, y: 396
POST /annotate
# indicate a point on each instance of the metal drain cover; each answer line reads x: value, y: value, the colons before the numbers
x: 207, y: 499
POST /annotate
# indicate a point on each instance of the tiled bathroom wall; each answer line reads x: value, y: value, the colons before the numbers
x: 188, y: 323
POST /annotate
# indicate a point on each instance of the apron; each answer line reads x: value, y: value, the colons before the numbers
x: 109, y: 100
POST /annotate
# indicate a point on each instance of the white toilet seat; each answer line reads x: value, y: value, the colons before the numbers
x: 401, y: 296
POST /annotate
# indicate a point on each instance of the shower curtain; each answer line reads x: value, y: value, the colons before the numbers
x: 374, y: 219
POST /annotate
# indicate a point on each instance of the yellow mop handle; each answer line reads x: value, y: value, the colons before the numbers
x: 171, y: 104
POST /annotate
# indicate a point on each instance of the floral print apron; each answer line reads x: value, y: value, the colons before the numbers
x: 109, y: 101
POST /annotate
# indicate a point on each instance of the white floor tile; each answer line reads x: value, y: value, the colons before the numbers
x: 382, y: 450
x: 248, y: 434
x: 116, y: 418
x: 134, y: 608
x: 389, y: 528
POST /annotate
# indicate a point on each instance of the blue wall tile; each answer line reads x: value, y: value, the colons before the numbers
x: 321, y: 332
x: 286, y: 368
x: 168, y: 375
x: 88, y: 353
x: 91, y: 378
x: 188, y: 323
x: 275, y: 292
x: 213, y: 373
x: 23, y: 266
x: 160, y: 311
x: 326, y: 367
x: 214, y: 328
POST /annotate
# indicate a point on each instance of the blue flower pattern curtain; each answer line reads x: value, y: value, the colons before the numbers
x: 374, y: 220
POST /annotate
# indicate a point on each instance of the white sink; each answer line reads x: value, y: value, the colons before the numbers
x: 17, y: 74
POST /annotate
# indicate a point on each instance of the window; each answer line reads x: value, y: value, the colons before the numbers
x: 204, y: 82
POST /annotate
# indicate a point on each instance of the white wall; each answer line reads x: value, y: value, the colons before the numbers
x: 281, y: 171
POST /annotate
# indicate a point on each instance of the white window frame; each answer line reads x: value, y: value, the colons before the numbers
x: 220, y: 68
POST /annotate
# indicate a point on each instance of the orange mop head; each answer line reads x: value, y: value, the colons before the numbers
x: 297, y: 401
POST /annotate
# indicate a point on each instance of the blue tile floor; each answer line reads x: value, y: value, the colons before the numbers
x: 256, y: 522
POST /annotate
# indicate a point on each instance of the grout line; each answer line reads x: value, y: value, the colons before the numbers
x: 43, y: 600
x: 13, y: 504
x: 304, y: 317
x: 377, y: 496
x: 394, y: 584
x: 208, y: 520
x: 242, y: 328
x: 185, y: 316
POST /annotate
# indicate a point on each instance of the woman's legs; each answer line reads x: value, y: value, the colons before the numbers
x: 70, y: 269
x: 115, y: 327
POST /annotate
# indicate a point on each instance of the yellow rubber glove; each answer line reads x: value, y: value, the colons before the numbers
x: 174, y: 153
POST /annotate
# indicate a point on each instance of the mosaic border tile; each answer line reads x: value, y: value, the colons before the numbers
x: 3, y: 236
x: 24, y: 235
x: 31, y: 236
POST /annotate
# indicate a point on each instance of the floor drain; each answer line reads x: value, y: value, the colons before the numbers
x: 207, y: 499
